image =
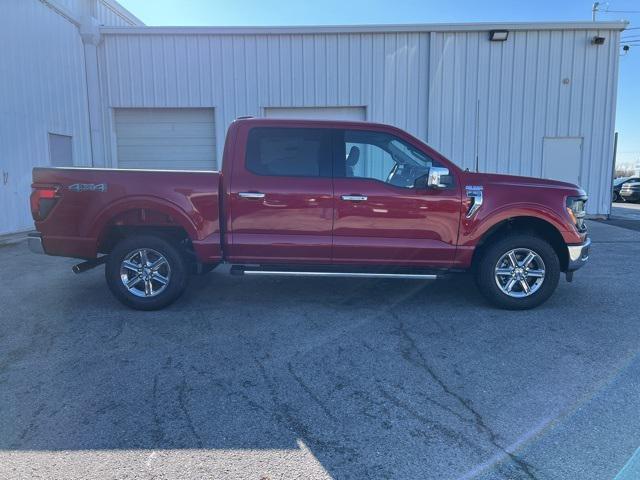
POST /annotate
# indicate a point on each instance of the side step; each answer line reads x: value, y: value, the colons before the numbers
x: 285, y: 272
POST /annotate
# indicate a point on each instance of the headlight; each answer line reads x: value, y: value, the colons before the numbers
x: 576, y: 210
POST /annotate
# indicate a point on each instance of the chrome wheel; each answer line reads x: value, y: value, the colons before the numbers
x: 520, y: 272
x: 145, y: 272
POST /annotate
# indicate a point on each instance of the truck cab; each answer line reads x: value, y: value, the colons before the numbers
x: 321, y: 198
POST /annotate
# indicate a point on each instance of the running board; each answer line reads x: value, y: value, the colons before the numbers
x: 242, y: 270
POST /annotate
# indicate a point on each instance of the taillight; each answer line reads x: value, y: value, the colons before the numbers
x: 42, y: 201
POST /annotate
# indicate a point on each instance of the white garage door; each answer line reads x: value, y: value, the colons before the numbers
x: 317, y: 113
x: 166, y: 138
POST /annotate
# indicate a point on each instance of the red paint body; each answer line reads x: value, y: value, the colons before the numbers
x: 300, y: 219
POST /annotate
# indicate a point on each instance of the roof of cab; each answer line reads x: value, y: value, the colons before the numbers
x: 308, y: 122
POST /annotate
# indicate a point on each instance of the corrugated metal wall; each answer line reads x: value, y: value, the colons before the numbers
x: 73, y: 6
x: 107, y: 15
x: 106, y: 12
x: 42, y: 89
x: 537, y: 84
x: 242, y: 74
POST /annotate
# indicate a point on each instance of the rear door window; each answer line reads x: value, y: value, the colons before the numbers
x: 289, y: 152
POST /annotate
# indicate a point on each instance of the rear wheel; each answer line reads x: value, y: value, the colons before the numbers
x: 518, y: 272
x: 146, y: 272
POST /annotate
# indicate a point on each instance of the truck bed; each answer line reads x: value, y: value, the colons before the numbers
x: 90, y: 202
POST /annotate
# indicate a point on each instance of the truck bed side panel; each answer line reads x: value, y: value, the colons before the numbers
x: 93, y: 200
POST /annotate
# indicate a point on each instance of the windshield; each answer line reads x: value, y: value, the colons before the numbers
x: 619, y: 181
x: 408, y: 154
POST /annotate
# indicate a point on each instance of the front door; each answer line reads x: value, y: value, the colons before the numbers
x: 381, y: 218
x: 281, y: 196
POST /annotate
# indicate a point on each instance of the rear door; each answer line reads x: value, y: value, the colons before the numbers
x: 281, y: 195
x: 381, y: 218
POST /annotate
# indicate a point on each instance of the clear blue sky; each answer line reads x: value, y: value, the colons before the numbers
x: 332, y: 12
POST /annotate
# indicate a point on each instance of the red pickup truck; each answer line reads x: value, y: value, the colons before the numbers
x: 316, y: 198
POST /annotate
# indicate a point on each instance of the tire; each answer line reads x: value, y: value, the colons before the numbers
x: 164, y: 283
x: 616, y: 197
x: 544, y: 269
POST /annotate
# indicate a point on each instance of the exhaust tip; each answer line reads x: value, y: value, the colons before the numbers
x: 89, y: 264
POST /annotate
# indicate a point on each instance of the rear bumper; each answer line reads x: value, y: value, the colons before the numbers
x: 34, y: 241
x: 578, y: 255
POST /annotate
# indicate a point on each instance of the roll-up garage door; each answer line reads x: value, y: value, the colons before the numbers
x: 166, y: 138
x: 317, y: 113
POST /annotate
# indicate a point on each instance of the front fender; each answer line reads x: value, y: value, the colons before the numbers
x: 473, y: 229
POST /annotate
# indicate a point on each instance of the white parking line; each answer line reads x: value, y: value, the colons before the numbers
x: 631, y: 469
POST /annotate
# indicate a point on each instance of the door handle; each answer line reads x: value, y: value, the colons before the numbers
x: 251, y: 194
x: 354, y: 198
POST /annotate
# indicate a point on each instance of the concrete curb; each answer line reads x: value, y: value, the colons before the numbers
x: 12, y: 238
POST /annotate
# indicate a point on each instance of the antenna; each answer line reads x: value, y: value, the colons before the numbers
x: 477, y: 142
x: 594, y: 10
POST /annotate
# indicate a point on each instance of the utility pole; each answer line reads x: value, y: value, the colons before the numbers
x: 594, y: 10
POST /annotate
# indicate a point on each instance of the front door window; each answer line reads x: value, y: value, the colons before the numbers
x: 383, y: 157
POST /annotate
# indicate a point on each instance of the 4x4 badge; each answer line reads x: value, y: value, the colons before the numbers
x: 88, y: 187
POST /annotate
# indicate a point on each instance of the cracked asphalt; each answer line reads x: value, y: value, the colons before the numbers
x: 313, y: 378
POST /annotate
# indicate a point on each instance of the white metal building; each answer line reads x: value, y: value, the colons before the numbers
x: 85, y: 83
x: 44, y: 102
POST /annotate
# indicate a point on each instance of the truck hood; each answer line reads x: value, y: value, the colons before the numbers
x: 494, y: 179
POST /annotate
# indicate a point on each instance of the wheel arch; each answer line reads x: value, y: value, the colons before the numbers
x: 142, y: 215
x: 528, y: 225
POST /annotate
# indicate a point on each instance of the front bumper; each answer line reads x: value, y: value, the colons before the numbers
x: 630, y: 196
x: 34, y: 240
x: 578, y: 255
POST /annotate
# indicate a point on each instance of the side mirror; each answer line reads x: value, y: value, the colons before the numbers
x: 437, y: 177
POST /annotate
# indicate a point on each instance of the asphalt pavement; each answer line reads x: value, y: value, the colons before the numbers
x: 266, y: 378
x: 626, y: 215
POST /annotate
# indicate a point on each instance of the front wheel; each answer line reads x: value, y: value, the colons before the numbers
x: 146, y: 272
x: 518, y: 272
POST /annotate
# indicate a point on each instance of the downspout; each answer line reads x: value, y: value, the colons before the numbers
x: 90, y: 34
